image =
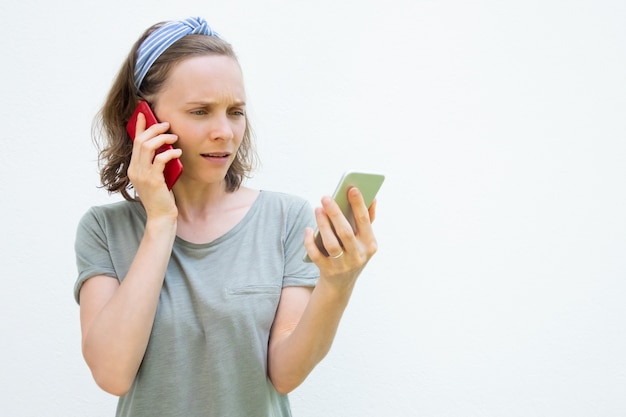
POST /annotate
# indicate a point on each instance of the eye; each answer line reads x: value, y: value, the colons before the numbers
x: 238, y: 112
x: 198, y: 112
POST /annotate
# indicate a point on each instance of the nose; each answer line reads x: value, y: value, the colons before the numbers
x: 221, y: 128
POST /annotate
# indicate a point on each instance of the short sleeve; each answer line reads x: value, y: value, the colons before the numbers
x: 297, y: 271
x: 92, y: 252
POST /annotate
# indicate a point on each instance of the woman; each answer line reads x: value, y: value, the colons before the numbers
x: 195, y: 301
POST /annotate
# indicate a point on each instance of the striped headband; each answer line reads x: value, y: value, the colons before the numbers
x: 162, y: 38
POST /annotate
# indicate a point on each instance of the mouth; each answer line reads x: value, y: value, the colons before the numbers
x: 221, y: 155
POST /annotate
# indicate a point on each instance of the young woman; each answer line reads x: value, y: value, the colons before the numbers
x: 195, y: 301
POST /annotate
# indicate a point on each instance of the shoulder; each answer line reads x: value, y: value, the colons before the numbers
x: 288, y: 205
x: 277, y: 198
x: 287, y: 209
x: 118, y: 212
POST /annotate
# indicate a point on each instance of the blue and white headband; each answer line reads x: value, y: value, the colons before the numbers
x: 162, y: 38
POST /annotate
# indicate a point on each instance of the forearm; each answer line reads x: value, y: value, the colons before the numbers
x: 295, y: 352
x: 302, y: 336
x: 116, y: 338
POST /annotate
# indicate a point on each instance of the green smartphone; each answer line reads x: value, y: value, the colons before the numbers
x: 367, y: 182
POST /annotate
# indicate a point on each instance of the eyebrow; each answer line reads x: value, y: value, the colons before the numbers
x: 212, y: 103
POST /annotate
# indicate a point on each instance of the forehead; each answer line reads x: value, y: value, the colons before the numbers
x: 206, y: 76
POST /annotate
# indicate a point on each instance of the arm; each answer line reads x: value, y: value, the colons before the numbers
x: 307, y: 320
x: 116, y: 318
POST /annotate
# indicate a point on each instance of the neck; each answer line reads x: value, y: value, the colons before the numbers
x: 202, y: 221
x: 197, y: 199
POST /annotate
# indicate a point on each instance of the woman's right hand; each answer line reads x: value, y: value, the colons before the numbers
x: 146, y: 170
x: 117, y: 316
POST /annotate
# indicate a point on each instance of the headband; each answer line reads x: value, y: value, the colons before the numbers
x: 162, y: 38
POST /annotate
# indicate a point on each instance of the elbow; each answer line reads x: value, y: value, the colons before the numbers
x: 283, y: 386
x: 109, y: 373
x: 114, y: 385
x: 285, y: 381
x: 286, y: 377
x: 109, y: 379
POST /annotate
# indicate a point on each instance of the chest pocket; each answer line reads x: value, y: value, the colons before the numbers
x: 254, y: 290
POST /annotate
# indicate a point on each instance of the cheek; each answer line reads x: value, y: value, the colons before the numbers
x: 239, y: 129
x: 188, y: 133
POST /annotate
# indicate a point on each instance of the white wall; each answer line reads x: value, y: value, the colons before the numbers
x: 499, y: 286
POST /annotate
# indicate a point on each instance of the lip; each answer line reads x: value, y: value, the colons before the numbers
x: 217, y: 157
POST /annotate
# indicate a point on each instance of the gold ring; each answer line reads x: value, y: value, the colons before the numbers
x: 338, y: 256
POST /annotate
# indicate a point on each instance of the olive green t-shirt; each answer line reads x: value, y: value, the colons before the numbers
x: 207, y: 353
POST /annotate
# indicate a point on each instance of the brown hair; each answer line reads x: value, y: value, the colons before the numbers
x: 109, y: 129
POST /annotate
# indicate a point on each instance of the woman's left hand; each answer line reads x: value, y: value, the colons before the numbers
x: 307, y: 319
x: 349, y: 251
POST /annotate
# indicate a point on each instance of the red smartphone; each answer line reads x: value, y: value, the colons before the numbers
x: 174, y: 167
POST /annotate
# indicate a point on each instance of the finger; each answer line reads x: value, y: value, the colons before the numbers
x: 147, y: 162
x: 148, y: 145
x: 363, y: 220
x: 372, y: 211
x: 154, y: 160
x: 164, y: 157
x: 362, y: 217
x: 140, y: 125
x: 332, y: 244
x: 342, y: 230
x: 144, y: 131
x: 311, y: 247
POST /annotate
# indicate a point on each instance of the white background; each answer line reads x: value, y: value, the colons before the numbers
x: 499, y: 287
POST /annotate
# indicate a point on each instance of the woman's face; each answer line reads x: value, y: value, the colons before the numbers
x: 204, y: 101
